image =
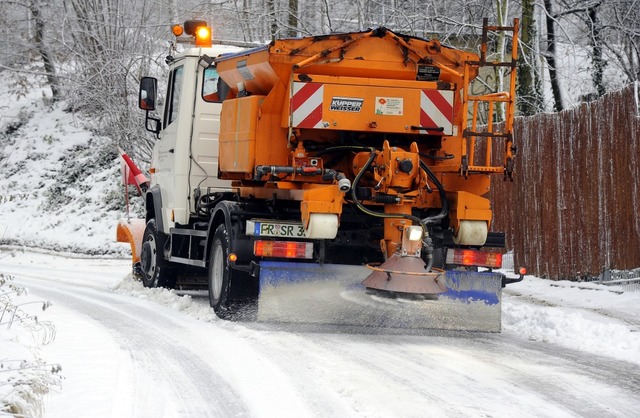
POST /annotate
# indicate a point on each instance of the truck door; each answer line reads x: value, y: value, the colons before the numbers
x: 206, y: 129
x: 165, y: 147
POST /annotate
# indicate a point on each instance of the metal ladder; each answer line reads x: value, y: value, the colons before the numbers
x: 471, y: 133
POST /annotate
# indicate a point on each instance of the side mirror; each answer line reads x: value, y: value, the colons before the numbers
x: 152, y: 125
x: 148, y: 93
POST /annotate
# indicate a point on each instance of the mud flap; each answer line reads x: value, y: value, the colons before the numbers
x: 333, y: 294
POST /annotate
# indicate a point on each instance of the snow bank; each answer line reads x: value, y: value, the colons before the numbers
x: 170, y: 298
x: 588, y: 317
x: 60, y: 187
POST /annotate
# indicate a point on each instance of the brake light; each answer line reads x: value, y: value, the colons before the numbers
x: 474, y: 258
x: 284, y: 249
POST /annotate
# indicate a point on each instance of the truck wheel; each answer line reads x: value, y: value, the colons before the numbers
x: 219, y: 273
x: 156, y: 271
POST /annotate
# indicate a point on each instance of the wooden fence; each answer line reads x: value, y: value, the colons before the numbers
x: 573, y: 210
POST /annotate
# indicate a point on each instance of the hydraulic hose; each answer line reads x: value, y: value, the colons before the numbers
x: 369, y: 212
x: 432, y: 219
x: 443, y: 196
x: 423, y: 222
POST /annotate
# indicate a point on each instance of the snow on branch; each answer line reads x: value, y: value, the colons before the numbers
x: 24, y: 377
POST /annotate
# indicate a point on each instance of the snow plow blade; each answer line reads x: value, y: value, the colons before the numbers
x: 131, y: 232
x: 333, y: 294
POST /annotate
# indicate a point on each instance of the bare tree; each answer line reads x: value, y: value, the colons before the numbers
x: 110, y: 46
x: 93, y: 52
x: 529, y: 84
x: 588, y: 13
x: 29, y: 40
x: 596, y: 44
x: 38, y: 40
x: 550, y: 56
x: 292, y: 20
x: 273, y: 27
x: 620, y: 34
x: 502, y: 8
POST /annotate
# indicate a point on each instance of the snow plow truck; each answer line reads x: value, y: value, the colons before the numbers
x: 335, y: 179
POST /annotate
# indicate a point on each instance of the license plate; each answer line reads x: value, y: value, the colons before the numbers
x: 274, y: 229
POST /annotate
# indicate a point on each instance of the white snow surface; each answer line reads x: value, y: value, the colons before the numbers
x: 117, y: 351
x: 594, y: 318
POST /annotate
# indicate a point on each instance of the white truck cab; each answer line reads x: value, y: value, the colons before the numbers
x: 185, y: 156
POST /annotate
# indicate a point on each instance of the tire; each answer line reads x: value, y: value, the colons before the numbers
x: 232, y: 293
x: 156, y: 271
x: 219, y: 276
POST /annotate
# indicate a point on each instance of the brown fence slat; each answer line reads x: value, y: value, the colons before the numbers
x: 573, y: 210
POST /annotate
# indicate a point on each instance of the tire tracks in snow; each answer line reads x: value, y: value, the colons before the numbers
x: 160, y: 361
x: 463, y: 374
x: 349, y: 372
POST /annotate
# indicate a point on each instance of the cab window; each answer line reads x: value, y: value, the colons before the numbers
x: 210, y: 86
x: 214, y: 89
x: 175, y: 89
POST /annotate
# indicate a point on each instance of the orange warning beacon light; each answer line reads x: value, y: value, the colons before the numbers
x: 203, y: 36
x: 177, y: 30
x: 198, y: 29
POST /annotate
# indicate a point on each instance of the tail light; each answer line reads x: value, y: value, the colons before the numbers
x: 283, y: 249
x: 474, y: 258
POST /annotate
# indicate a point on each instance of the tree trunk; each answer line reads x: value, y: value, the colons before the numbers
x: 501, y: 8
x: 361, y: 15
x: 273, y: 29
x: 326, y: 18
x: 551, y: 58
x: 529, y: 97
x: 596, y: 43
x: 292, y: 21
x: 247, y: 30
x: 38, y: 39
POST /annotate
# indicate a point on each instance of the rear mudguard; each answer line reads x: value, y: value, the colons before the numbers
x: 333, y: 294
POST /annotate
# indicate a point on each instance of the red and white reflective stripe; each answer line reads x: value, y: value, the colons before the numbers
x: 306, y: 105
x: 436, y: 110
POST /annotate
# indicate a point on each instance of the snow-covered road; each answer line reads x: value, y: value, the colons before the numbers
x: 127, y: 351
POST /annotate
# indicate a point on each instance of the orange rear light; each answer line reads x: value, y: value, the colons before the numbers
x: 474, y: 258
x: 283, y: 249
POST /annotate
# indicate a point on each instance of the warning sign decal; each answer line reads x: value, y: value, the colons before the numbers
x: 389, y: 106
